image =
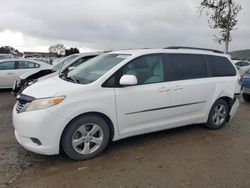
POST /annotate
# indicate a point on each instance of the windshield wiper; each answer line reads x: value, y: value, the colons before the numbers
x: 71, y: 79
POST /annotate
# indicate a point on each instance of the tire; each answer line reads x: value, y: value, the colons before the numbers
x: 246, y: 97
x: 85, y: 137
x: 218, y: 115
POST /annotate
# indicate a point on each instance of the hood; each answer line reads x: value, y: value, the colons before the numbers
x: 50, y: 87
x: 36, y: 74
x: 29, y: 73
x: 53, y: 74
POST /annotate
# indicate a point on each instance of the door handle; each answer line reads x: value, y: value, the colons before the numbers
x: 10, y: 73
x: 163, y: 89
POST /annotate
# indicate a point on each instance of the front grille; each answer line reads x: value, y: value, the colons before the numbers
x: 22, y: 102
x: 21, y: 106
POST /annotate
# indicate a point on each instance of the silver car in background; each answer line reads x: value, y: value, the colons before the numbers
x: 12, y: 69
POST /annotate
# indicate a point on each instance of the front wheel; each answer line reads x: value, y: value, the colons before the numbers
x: 85, y: 137
x: 246, y: 97
x: 218, y: 115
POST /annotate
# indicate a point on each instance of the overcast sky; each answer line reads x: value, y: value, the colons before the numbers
x: 111, y: 24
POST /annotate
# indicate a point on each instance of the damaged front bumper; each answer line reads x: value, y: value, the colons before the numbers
x: 234, y: 106
x: 20, y: 85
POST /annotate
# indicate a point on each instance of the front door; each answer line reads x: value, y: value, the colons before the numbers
x: 144, y: 107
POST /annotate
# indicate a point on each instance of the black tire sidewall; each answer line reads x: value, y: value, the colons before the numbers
x: 210, y: 124
x: 74, y: 125
x: 246, y: 97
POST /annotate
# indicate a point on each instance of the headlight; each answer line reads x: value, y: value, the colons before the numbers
x: 39, y: 104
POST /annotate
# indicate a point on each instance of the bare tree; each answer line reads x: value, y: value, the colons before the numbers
x: 57, y: 48
x: 222, y: 15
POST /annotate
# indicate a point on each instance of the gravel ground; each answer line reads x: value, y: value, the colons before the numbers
x: 184, y: 157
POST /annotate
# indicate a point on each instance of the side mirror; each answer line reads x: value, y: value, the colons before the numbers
x: 128, y: 80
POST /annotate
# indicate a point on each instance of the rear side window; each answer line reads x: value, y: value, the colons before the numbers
x: 8, y: 65
x: 185, y: 66
x: 238, y: 64
x: 27, y: 65
x: 220, y: 66
x: 244, y: 64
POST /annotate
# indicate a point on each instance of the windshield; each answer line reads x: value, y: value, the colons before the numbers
x: 94, y: 68
x: 63, y: 62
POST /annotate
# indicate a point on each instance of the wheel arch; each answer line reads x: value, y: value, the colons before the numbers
x: 229, y: 101
x: 102, y: 115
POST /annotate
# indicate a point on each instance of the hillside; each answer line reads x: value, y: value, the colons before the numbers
x: 241, y: 54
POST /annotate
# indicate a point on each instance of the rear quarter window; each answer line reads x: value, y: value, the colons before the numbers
x: 220, y: 66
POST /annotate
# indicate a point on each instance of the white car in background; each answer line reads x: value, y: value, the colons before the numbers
x: 242, y: 66
x: 11, y: 69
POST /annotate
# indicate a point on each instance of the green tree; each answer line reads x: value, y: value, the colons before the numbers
x: 71, y: 51
x: 9, y: 50
x: 222, y: 15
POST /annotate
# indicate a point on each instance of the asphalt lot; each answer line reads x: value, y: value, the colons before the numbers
x: 185, y: 157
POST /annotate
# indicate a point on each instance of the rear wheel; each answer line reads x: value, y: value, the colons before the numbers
x: 218, y: 115
x: 246, y: 97
x: 86, y: 137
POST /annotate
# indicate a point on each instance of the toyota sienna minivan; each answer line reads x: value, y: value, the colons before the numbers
x: 126, y: 93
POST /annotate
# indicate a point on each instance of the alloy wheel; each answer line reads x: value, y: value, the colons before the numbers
x: 87, y: 138
x: 219, y: 114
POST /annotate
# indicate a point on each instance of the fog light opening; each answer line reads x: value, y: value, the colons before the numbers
x: 36, y: 141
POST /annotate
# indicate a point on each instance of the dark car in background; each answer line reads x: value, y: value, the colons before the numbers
x: 246, y: 86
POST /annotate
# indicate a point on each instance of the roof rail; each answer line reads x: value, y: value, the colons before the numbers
x: 194, y: 48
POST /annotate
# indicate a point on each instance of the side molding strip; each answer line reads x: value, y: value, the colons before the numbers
x: 162, y: 108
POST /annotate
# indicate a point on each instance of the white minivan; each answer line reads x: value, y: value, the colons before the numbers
x: 126, y: 93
